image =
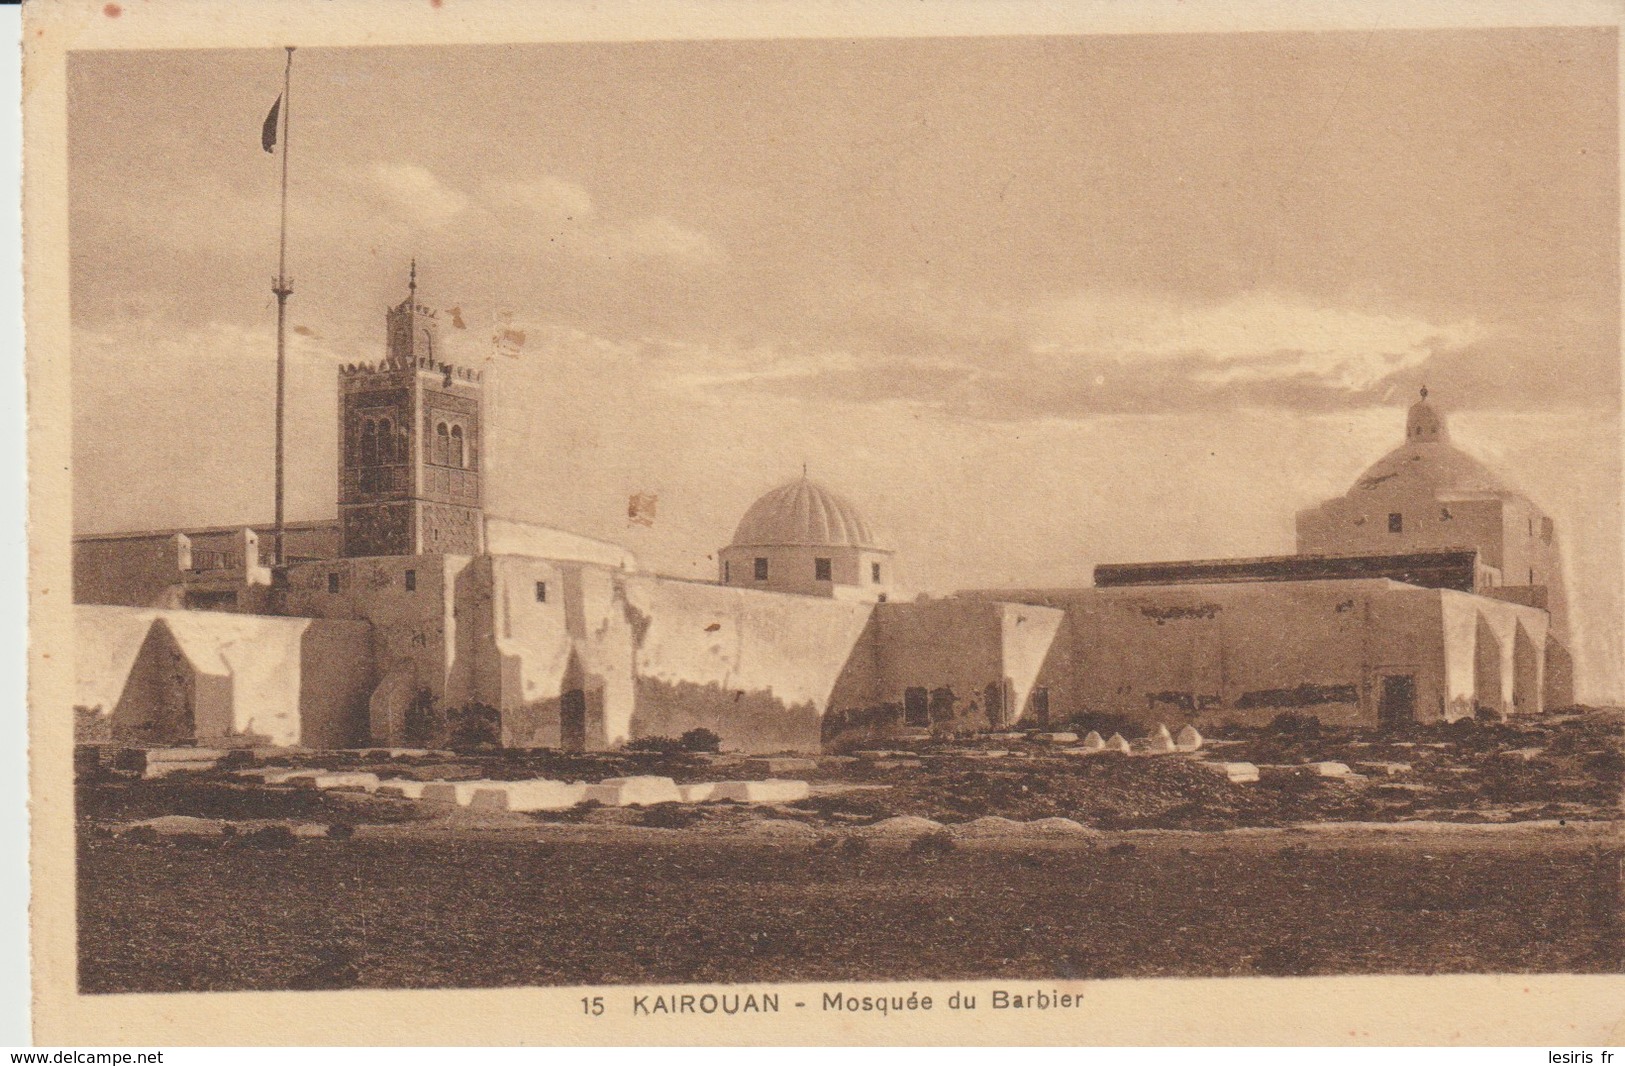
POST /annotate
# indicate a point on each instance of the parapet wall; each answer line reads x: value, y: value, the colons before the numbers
x: 760, y: 669
x: 586, y: 655
x: 1348, y: 651
x: 166, y: 677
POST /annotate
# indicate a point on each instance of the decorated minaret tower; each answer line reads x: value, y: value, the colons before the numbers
x: 409, y: 445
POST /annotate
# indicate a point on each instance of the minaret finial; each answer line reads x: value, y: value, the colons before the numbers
x: 804, y: 470
x: 1424, y: 392
x: 412, y: 283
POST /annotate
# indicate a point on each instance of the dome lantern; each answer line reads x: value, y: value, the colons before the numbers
x: 1424, y: 424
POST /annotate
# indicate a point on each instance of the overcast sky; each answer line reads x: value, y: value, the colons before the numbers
x: 1031, y: 303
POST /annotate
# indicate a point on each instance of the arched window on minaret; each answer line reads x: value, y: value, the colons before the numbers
x: 457, y: 455
x: 386, y: 442
x: 442, y: 444
x: 369, y: 442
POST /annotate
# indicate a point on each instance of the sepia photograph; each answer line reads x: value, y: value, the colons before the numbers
x: 781, y: 524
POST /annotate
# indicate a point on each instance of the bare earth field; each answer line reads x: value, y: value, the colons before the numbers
x: 1483, y: 862
x: 470, y: 910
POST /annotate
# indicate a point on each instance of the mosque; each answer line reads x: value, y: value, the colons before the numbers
x: 1428, y: 591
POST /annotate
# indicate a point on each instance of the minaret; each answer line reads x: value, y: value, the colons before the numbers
x: 410, y: 445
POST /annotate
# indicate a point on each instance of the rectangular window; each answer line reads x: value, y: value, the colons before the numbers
x: 725, y: 576
x: 541, y: 592
x: 411, y: 581
x: 1396, y: 523
x: 874, y: 572
x: 761, y: 570
x: 821, y: 571
x: 332, y: 582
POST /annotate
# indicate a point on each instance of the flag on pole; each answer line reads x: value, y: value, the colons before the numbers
x: 268, y: 131
x: 641, y: 507
x: 505, y: 339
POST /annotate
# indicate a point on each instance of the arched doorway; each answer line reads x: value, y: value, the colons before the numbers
x: 1488, y: 691
x: 1525, y: 673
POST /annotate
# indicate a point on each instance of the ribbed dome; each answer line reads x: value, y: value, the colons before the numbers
x: 803, y: 513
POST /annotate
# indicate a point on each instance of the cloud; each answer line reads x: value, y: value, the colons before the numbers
x: 513, y: 222
x: 416, y: 191
x: 545, y: 196
x: 1088, y: 353
x: 539, y: 211
x: 657, y: 237
x: 1253, y: 337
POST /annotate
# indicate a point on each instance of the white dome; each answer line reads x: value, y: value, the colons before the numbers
x: 803, y: 513
x: 1439, y: 469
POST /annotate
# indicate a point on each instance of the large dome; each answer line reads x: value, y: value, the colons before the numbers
x: 803, y: 513
x: 1427, y: 461
x: 1439, y: 468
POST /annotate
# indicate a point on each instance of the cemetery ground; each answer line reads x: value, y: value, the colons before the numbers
x: 1470, y: 848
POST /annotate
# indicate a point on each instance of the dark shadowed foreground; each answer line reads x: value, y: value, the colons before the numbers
x: 464, y: 909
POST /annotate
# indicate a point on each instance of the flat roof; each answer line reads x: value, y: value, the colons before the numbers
x: 262, y: 528
x: 1453, y: 568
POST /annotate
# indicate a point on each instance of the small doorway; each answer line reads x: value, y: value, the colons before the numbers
x: 1398, y: 702
x: 915, y: 709
x: 573, y: 720
x: 1039, y: 702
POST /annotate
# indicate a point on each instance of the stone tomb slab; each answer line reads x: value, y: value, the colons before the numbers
x: 274, y: 775
x: 347, y: 780
x: 397, y: 786
x: 544, y: 795
x: 189, y: 755
x: 1329, y: 769
x: 456, y: 793
x: 634, y: 791
x: 175, y: 766
x: 1239, y: 772
x: 775, y: 790
x: 782, y: 764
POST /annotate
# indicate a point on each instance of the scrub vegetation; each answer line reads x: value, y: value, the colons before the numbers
x: 1478, y: 847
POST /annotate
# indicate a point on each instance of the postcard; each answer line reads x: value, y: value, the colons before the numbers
x: 854, y: 523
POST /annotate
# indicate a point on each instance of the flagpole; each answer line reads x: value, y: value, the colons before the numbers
x: 283, y: 288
